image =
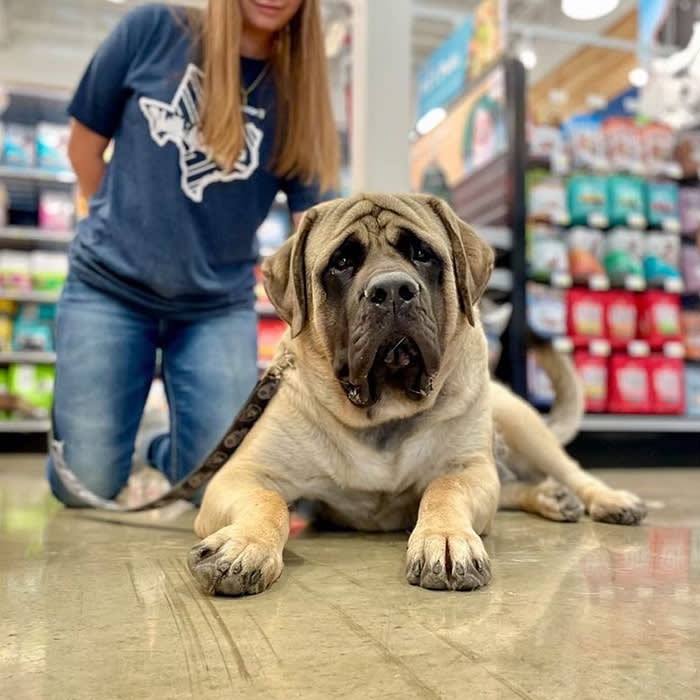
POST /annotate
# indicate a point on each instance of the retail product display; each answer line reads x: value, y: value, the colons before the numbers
x: 585, y: 318
x: 662, y: 200
x: 52, y: 146
x: 546, y: 309
x: 626, y: 201
x: 587, y: 197
x: 585, y: 253
x: 593, y: 371
x: 692, y: 390
x: 56, y: 210
x: 548, y: 255
x: 624, y: 251
x: 690, y: 330
x: 18, y: 146
x: 546, y: 198
x: 690, y: 268
x: 662, y: 258
x: 623, y: 144
x: 659, y: 317
x: 620, y: 317
x: 689, y: 210
x: 494, y: 318
x: 628, y: 390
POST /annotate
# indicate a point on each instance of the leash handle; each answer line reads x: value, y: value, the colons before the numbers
x: 249, y: 414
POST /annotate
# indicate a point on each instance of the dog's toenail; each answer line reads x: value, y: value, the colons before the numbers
x: 254, y: 577
x: 237, y: 568
x: 437, y: 567
x: 459, y: 569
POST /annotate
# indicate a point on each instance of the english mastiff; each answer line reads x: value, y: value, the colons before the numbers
x: 386, y: 413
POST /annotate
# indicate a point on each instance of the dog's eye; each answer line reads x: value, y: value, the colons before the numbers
x: 420, y: 254
x: 341, y: 262
x: 348, y: 257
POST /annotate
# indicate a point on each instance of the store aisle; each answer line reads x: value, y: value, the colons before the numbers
x: 91, y: 609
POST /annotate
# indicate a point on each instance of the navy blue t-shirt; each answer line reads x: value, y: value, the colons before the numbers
x: 168, y: 230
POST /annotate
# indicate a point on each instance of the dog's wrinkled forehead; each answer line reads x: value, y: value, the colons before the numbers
x: 368, y: 216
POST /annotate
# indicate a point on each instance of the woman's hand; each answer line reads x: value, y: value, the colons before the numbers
x: 86, y: 152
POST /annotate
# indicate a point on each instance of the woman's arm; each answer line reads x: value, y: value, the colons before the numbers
x: 86, y: 152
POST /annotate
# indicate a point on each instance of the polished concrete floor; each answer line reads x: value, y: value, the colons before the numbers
x: 95, y: 608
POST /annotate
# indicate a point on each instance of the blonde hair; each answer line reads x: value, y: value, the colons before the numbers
x: 306, y: 140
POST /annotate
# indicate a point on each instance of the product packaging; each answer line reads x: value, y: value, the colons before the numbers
x: 546, y: 198
x: 623, y: 145
x: 34, y: 384
x: 56, y: 210
x: 545, y: 141
x: 662, y: 258
x: 692, y: 389
x: 585, y: 254
x: 539, y: 386
x: 587, y: 197
x: 659, y: 317
x: 662, y: 205
x: 585, y: 317
x: 690, y: 268
x: 690, y: 330
x: 689, y: 205
x: 546, y: 310
x: 687, y: 153
x: 7, y: 312
x: 273, y: 232
x: 586, y: 144
x: 547, y: 253
x: 48, y: 270
x: 15, y: 271
x: 620, y: 317
x: 593, y: 372
x: 52, y: 146
x: 666, y: 382
x: 626, y: 201
x: 270, y: 331
x: 657, y: 149
x: 18, y: 146
x: 32, y: 336
x: 4, y: 205
x: 628, y: 390
x: 624, y: 249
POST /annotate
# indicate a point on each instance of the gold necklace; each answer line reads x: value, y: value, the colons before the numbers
x: 245, y: 91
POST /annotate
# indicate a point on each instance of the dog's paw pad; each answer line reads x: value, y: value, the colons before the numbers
x: 447, y: 561
x: 619, y: 508
x: 556, y: 502
x: 232, y: 565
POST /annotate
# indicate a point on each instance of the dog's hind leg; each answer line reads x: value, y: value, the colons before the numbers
x: 547, y: 498
x: 530, y: 440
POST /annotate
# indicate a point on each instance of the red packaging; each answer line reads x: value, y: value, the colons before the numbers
x: 620, y: 317
x: 690, y: 326
x: 667, y: 384
x: 270, y: 331
x: 659, y: 317
x: 585, y: 315
x: 628, y: 390
x: 593, y: 372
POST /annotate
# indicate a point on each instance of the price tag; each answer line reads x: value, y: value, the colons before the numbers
x: 597, y: 220
x: 599, y: 283
x: 561, y: 280
x: 671, y: 225
x: 638, y: 348
x: 636, y: 220
x: 599, y: 347
x: 635, y: 283
x: 673, y: 285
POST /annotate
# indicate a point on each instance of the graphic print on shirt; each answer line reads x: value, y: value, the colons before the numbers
x: 177, y: 123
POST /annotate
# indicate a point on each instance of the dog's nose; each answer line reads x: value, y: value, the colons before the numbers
x: 395, y: 288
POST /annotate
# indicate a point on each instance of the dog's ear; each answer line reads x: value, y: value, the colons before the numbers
x: 473, y: 258
x: 284, y: 276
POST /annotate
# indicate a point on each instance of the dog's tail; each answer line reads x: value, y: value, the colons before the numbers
x: 566, y: 413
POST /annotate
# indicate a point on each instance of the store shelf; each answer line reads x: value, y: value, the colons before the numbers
x: 640, y: 424
x: 32, y: 235
x: 500, y: 237
x: 501, y: 280
x: 37, y: 175
x: 25, y: 426
x: 28, y: 357
x: 29, y: 297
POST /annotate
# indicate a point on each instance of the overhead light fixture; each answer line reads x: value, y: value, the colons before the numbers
x: 430, y: 120
x: 638, y: 77
x: 588, y: 9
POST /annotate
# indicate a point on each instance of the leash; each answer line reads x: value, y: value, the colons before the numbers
x: 249, y: 414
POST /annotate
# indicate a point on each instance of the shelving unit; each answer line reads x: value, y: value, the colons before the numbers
x: 607, y: 422
x: 37, y: 175
x: 33, y: 357
x: 25, y: 426
x: 31, y: 236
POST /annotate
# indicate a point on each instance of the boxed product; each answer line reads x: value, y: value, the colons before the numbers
x: 52, y: 146
x: 32, y: 335
x: 662, y: 258
x: 657, y: 148
x: 624, y: 250
x: 662, y: 205
x: 620, y: 317
x: 545, y: 141
x: 623, y: 145
x: 34, y: 384
x: 692, y: 389
x: 666, y: 383
x: 15, y: 271
x: 7, y: 313
x: 593, y: 372
x: 585, y: 318
x: 626, y: 201
x: 546, y: 198
x: 628, y: 390
x: 586, y: 142
x: 585, y: 253
x: 18, y: 146
x: 547, y: 252
x: 270, y: 331
x: 31, y: 311
x: 56, y: 210
x: 659, y: 317
x: 587, y: 197
x: 690, y: 330
x: 546, y: 310
x: 689, y: 206
x: 690, y: 268
x: 48, y: 270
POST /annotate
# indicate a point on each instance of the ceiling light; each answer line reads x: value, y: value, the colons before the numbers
x: 588, y: 9
x: 528, y: 57
x: 430, y: 120
x: 638, y: 77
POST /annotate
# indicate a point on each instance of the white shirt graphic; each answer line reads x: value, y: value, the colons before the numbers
x: 177, y: 123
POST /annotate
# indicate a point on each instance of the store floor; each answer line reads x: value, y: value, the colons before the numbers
x: 95, y: 609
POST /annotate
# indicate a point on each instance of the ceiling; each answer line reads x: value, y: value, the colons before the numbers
x: 48, y: 42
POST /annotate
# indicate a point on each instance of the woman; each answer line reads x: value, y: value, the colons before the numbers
x: 211, y: 113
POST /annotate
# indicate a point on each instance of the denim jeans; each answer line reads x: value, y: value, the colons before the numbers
x: 106, y: 356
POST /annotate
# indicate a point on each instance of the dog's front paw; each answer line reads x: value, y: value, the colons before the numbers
x: 556, y: 502
x: 619, y: 507
x: 229, y: 563
x: 447, y: 560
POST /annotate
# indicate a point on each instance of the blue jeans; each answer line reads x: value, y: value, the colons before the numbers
x: 106, y: 356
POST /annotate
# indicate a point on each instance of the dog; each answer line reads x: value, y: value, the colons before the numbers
x: 386, y: 413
